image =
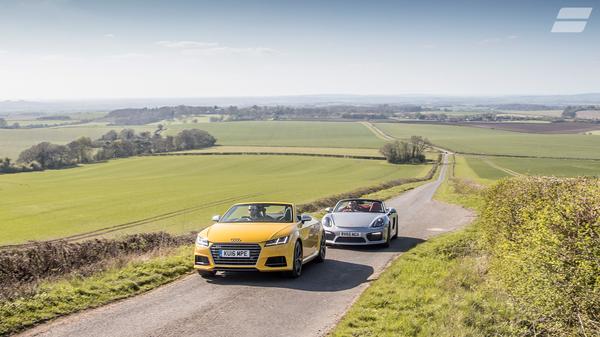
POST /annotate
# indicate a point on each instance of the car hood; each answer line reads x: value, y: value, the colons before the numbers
x: 246, y: 232
x: 351, y: 219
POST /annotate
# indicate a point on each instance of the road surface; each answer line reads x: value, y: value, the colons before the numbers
x: 266, y: 304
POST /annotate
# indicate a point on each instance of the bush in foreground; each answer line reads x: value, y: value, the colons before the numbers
x: 543, y: 234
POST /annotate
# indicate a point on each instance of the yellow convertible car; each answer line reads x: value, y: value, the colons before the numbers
x: 260, y: 236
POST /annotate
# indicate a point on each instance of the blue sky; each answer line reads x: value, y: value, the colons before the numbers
x: 61, y: 49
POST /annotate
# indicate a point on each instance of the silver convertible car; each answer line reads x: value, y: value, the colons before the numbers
x: 360, y: 222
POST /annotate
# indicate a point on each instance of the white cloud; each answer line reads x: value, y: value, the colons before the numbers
x: 198, y: 48
x: 109, y: 36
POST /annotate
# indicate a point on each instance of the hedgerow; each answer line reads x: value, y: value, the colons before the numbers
x: 543, y: 237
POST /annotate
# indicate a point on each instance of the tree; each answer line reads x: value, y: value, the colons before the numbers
x: 81, y: 150
x: 570, y: 112
x: 159, y: 128
x: 193, y: 139
x: 419, y: 144
x: 3, y: 123
x: 127, y: 134
x: 398, y: 152
x: 47, y: 155
x: 110, y: 136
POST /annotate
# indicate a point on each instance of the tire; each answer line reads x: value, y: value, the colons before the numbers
x: 322, y: 250
x: 207, y: 274
x: 395, y: 232
x: 297, y: 262
x: 387, y: 240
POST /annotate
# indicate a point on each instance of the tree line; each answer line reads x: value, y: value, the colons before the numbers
x: 139, y: 116
x: 113, y: 144
x: 402, y: 152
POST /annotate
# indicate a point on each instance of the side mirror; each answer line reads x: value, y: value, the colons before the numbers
x: 216, y: 218
x: 328, y: 209
x: 392, y: 211
x: 305, y: 217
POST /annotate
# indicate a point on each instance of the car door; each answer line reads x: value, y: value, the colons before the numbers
x: 307, y: 235
x: 393, y: 216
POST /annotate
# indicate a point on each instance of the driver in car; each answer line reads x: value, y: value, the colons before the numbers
x: 258, y: 212
x: 351, y: 207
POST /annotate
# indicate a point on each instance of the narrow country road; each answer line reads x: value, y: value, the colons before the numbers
x: 266, y: 304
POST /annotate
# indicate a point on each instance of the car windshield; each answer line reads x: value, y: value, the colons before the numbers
x: 366, y: 206
x: 258, y: 213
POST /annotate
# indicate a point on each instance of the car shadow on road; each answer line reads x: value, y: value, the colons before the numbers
x: 399, y: 245
x: 329, y: 276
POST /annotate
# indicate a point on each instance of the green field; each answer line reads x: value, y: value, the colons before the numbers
x: 544, y: 167
x: 53, y: 204
x: 281, y: 134
x: 304, y: 134
x: 489, y: 141
x: 289, y: 149
x: 486, y: 170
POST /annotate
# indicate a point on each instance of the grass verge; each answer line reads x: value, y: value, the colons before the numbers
x: 459, y: 191
x: 58, y: 298
x: 437, y: 289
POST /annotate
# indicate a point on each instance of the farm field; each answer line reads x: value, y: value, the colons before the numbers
x: 538, y: 127
x: 489, y: 141
x: 54, y: 204
x: 486, y: 170
x: 284, y: 134
x: 302, y: 134
x: 531, y: 113
x: 290, y: 149
x: 554, y: 167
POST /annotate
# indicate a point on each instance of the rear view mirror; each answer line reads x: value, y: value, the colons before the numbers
x: 305, y: 217
x: 216, y: 218
x: 391, y: 210
x: 328, y: 209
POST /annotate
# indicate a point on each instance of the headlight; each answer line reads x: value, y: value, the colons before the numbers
x: 327, y: 222
x: 200, y: 241
x: 378, y: 223
x: 279, y: 241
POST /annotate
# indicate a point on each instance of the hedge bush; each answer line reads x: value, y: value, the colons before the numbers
x: 543, y: 236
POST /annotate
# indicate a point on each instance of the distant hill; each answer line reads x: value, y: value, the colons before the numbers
x: 299, y: 100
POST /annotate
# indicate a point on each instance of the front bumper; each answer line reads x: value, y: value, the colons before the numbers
x: 263, y: 259
x: 361, y: 236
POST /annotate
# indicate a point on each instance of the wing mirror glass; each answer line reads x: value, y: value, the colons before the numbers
x: 391, y: 210
x: 305, y: 217
x: 216, y: 218
x: 329, y: 209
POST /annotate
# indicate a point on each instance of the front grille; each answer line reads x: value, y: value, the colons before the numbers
x: 235, y: 269
x: 238, y: 261
x: 201, y: 260
x: 344, y: 239
x: 276, y: 261
x: 329, y: 236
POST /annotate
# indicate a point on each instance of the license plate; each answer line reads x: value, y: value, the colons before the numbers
x: 350, y: 234
x: 234, y: 253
